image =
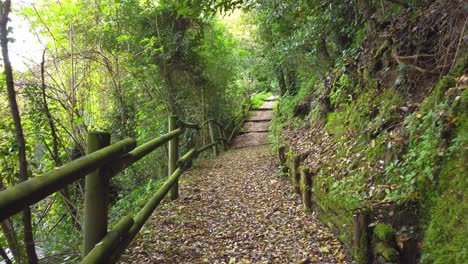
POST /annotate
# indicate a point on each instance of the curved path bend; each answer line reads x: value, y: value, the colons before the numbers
x: 236, y: 209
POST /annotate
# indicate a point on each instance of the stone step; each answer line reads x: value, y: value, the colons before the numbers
x: 250, y: 139
x: 256, y: 127
x: 262, y: 109
x: 261, y: 115
x: 267, y: 105
x: 254, y: 131
x: 272, y: 98
x: 259, y: 120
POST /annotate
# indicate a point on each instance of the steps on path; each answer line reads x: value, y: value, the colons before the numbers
x: 234, y: 209
x: 271, y: 98
x: 250, y: 139
x: 256, y: 128
x: 261, y: 115
x: 267, y: 105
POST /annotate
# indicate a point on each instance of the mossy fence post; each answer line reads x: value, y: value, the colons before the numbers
x: 295, y: 175
x: 306, y: 188
x: 173, y: 156
x: 222, y: 136
x: 96, y: 195
x: 361, y: 237
x: 213, y: 138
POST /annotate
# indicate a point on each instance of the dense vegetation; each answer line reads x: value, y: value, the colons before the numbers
x: 373, y: 101
x: 378, y: 103
x: 121, y: 67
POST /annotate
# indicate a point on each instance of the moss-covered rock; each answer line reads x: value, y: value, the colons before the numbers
x: 385, y: 233
x: 388, y: 253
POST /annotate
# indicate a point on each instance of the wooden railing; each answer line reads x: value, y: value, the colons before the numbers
x: 102, y: 162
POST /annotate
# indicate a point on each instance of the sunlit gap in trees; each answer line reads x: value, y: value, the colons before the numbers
x: 26, y: 48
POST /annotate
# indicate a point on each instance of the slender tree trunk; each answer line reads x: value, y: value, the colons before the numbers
x: 10, y: 235
x: 23, y: 164
x: 50, y: 120
x: 203, y: 119
x: 55, y: 147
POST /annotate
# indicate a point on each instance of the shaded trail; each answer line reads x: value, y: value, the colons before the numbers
x: 235, y: 209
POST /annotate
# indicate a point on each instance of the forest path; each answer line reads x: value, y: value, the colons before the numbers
x: 255, y: 130
x: 235, y: 209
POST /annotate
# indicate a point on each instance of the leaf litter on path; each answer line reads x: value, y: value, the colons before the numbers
x: 235, y: 209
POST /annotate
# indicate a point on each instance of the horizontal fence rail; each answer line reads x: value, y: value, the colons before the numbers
x: 104, y: 161
x: 16, y: 198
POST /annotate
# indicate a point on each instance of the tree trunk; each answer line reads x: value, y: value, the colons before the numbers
x: 203, y: 133
x: 10, y: 234
x: 281, y: 80
x: 291, y: 79
x: 23, y: 164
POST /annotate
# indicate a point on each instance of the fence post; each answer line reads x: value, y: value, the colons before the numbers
x: 96, y: 195
x: 213, y: 139
x: 173, y: 156
x: 221, y: 134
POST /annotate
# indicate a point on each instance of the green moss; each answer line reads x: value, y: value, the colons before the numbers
x: 377, y: 148
x: 388, y: 103
x: 446, y: 232
x: 384, y: 232
x: 389, y: 254
x: 441, y: 87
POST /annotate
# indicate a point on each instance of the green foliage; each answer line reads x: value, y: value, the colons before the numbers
x: 428, y: 128
x: 382, y: 144
x: 121, y: 67
x: 132, y: 202
x: 445, y: 201
x: 258, y: 99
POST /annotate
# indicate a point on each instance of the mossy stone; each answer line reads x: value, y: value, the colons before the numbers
x: 384, y: 232
x: 386, y: 252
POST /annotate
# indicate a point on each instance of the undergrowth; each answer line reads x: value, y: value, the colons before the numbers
x: 258, y: 99
x: 391, y: 147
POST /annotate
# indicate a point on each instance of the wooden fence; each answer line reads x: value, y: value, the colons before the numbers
x: 102, y: 162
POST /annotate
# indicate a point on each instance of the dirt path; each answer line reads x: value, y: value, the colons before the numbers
x: 235, y: 209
